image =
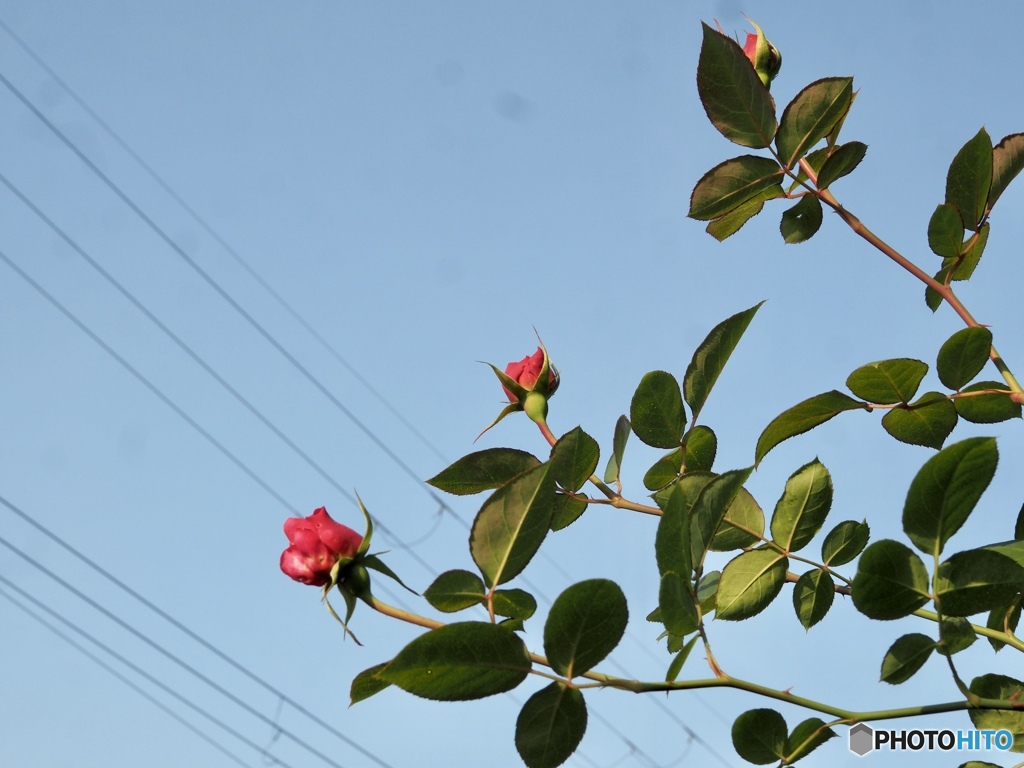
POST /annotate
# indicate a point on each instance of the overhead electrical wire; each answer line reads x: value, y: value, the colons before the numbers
x: 195, y: 357
x: 237, y: 307
x: 66, y: 585
x: 208, y: 228
x: 220, y: 291
x: 125, y: 679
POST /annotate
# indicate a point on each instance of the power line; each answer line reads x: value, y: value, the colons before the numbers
x: 148, y: 384
x: 267, y: 336
x: 124, y: 678
x: 195, y: 357
x: 170, y: 656
x: 182, y: 627
x: 208, y: 228
x: 248, y: 317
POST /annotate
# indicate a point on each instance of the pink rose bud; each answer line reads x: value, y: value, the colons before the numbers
x: 526, y: 372
x: 315, y: 544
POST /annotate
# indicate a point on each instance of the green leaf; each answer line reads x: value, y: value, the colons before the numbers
x: 656, y: 411
x: 888, y: 381
x: 803, y: 507
x: 970, y: 178
x: 842, y: 161
x: 1002, y: 688
x: 622, y: 430
x: 1011, y: 549
x: 664, y: 471
x: 932, y: 298
x: 735, y: 100
x: 971, y: 255
x: 455, y: 590
x: 707, y: 591
x: 367, y: 684
x: 459, y: 662
x: 945, y: 491
x: 927, y: 421
x: 742, y: 526
x: 956, y: 635
x: 811, y: 115
x: 891, y: 581
x: 732, y: 183
x: 804, y: 417
x: 483, y: 470
x: 976, y: 580
x: 816, y: 160
x: 1018, y: 528
x: 584, y: 625
x: 759, y: 736
x: 844, y: 542
x: 672, y: 540
x: 710, y: 357
x: 813, y: 594
x: 807, y: 737
x: 511, y: 525
x: 566, y: 511
x: 1002, y: 619
x: 679, y: 660
x: 677, y: 604
x: 802, y: 221
x: 946, y: 231
x: 728, y: 225
x: 1007, y: 162
x: 574, y: 459
x: 551, y: 725
x: 709, y: 508
x: 905, y: 657
x: 514, y: 603
x: 963, y: 356
x: 701, y: 447
x: 749, y: 583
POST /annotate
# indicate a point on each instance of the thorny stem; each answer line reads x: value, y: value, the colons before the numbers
x: 943, y: 289
x: 726, y: 681
x: 617, y: 500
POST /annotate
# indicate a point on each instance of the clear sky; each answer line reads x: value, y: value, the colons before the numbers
x: 423, y: 184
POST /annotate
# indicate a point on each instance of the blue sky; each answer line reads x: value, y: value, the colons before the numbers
x: 424, y: 184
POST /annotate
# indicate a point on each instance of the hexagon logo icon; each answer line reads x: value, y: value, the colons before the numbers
x: 862, y: 739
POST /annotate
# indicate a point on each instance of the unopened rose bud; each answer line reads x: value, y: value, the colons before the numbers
x: 315, y: 544
x: 763, y: 55
x: 526, y: 372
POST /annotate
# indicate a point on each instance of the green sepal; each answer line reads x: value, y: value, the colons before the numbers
x: 374, y: 562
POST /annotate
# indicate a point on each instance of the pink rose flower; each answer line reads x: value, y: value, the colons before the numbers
x: 526, y: 372
x: 315, y: 544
